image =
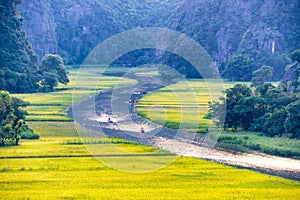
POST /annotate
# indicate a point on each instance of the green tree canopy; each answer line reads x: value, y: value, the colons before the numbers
x: 261, y: 76
x: 239, y: 68
x: 295, y: 56
x: 12, y: 118
x: 292, y: 122
x: 234, y: 116
x: 53, y: 71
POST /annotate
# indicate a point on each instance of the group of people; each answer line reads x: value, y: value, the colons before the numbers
x: 133, y: 101
x: 131, y: 105
x: 131, y: 110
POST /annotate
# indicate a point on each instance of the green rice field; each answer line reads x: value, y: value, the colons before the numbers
x: 52, y: 106
x: 60, y: 165
x: 88, y: 178
x: 184, y: 104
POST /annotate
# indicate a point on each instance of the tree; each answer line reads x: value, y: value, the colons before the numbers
x: 272, y: 123
x: 295, y: 56
x: 261, y: 76
x: 239, y: 68
x: 12, y: 118
x: 232, y: 99
x: 53, y: 71
x: 250, y: 108
x: 292, y: 122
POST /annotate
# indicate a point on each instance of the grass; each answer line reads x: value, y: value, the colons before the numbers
x: 52, y: 106
x: 43, y: 176
x: 54, y: 129
x: 87, y: 178
x: 75, y: 146
x: 185, y: 105
x: 254, y: 141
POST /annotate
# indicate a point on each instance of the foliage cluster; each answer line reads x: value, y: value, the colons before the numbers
x: 247, y: 141
x: 20, y: 71
x: 237, y: 34
x: 272, y: 110
x: 12, y: 116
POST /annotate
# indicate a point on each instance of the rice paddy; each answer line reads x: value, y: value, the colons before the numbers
x: 59, y: 166
x: 52, y: 106
x: 184, y: 104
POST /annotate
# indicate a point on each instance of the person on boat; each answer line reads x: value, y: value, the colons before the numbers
x: 109, y: 121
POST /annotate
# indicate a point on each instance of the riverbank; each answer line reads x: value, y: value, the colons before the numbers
x: 165, y: 139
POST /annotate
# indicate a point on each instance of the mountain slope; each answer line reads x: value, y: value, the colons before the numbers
x: 17, y: 60
x: 75, y: 27
x: 263, y: 30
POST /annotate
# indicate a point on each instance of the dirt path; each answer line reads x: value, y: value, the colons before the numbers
x: 284, y: 167
x: 128, y: 126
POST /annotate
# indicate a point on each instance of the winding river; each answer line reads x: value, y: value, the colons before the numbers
x: 93, y: 115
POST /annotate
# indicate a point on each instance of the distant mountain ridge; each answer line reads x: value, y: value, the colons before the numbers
x: 74, y: 27
x: 265, y: 30
x: 261, y: 29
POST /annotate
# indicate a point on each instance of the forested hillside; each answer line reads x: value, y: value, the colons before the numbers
x: 17, y: 59
x: 75, y: 27
x: 240, y: 35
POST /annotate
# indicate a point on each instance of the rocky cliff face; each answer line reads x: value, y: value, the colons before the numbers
x: 262, y: 29
x: 265, y: 30
x: 40, y: 26
x: 74, y: 27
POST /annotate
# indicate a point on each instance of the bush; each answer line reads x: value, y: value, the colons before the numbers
x: 233, y: 147
x: 29, y: 135
x: 174, y: 125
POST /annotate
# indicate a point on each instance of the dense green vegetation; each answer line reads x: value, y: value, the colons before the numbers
x: 18, y: 62
x: 186, y: 104
x: 263, y: 107
x: 12, y: 116
x: 248, y: 141
x: 240, y: 37
x: 53, y: 72
x: 20, y: 71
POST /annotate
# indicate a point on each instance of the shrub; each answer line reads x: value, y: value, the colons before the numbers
x: 29, y: 135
